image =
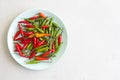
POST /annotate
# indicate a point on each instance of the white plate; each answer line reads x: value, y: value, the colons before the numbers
x: 13, y: 28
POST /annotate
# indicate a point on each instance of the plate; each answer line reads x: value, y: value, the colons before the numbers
x: 12, y: 30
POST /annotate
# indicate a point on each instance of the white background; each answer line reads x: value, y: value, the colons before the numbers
x: 93, y: 51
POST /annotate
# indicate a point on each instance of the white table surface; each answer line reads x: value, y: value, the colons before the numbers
x: 93, y: 51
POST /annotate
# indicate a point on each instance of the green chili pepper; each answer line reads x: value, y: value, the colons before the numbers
x: 40, y: 30
x: 31, y: 21
x: 41, y: 38
x: 45, y: 20
x: 50, y: 25
x: 29, y: 46
x: 39, y: 19
x: 42, y: 49
x: 34, y: 30
x: 58, y: 32
x: 56, y: 43
x: 50, y: 43
x: 30, y: 29
x: 45, y: 38
x: 57, y: 50
x: 52, y: 32
x: 55, y: 31
x: 46, y: 31
x: 55, y: 25
x: 33, y: 62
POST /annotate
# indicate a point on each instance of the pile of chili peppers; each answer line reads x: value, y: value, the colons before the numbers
x: 38, y: 38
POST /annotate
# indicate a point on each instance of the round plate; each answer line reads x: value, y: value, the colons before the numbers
x: 12, y: 30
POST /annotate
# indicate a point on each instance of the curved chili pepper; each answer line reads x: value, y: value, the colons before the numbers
x: 44, y: 27
x: 20, y: 28
x: 38, y: 35
x: 20, y: 47
x: 40, y: 43
x: 40, y: 58
x: 28, y: 33
x: 29, y: 25
x: 20, y: 39
x: 26, y: 41
x: 53, y: 47
x: 59, y: 39
x: 35, y: 41
x: 33, y: 53
x: 24, y: 21
x: 19, y: 51
x: 16, y: 35
x: 46, y: 53
x: 25, y: 46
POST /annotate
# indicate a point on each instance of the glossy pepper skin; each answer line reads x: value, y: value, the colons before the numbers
x: 28, y: 25
x: 32, y: 54
x: 28, y: 33
x: 19, y: 51
x: 25, y: 46
x: 42, y: 15
x: 59, y: 39
x: 53, y: 47
x: 44, y: 27
x: 16, y: 35
x: 20, y: 28
x: 20, y: 39
x: 35, y: 41
x: 46, y: 54
x: 26, y: 41
x: 24, y: 21
x: 40, y: 58
x: 40, y: 43
x: 38, y: 35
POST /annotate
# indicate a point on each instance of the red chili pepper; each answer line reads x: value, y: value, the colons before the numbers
x: 27, y: 33
x: 19, y: 51
x: 26, y: 41
x: 16, y: 35
x: 34, y: 17
x: 53, y: 47
x: 46, y: 54
x: 32, y: 54
x: 40, y: 43
x: 20, y: 28
x: 18, y: 48
x: 35, y: 41
x: 44, y: 27
x: 40, y: 58
x: 25, y: 45
x: 29, y: 25
x: 59, y: 39
x: 20, y: 38
x: 24, y: 21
